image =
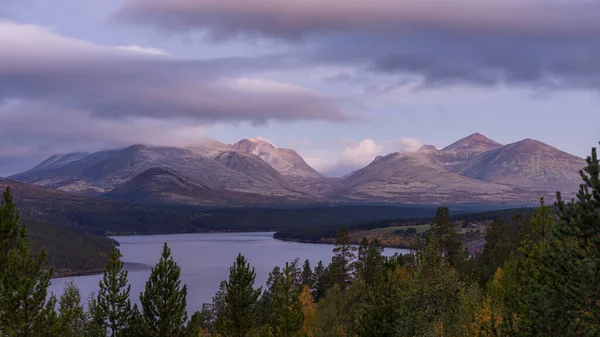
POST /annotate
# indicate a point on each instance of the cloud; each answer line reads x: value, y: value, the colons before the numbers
x: 59, y: 94
x: 551, y: 44
x: 39, y: 65
x: 293, y: 18
x: 140, y: 49
x: 360, y: 154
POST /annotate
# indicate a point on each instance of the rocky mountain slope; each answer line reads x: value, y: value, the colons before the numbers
x: 474, y: 169
x: 253, y: 171
x: 104, y: 171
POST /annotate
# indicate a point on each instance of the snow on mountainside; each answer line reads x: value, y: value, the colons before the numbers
x: 104, y: 171
x: 286, y: 161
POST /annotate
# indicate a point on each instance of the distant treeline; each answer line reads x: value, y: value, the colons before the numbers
x: 330, y: 231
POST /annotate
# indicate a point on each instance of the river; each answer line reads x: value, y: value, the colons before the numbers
x: 205, y: 260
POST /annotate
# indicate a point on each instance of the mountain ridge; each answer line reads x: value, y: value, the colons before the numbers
x: 472, y: 169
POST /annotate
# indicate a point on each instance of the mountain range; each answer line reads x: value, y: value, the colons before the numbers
x: 253, y: 171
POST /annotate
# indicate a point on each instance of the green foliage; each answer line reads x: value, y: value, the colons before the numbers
x: 71, y: 315
x: 9, y: 228
x: 24, y: 279
x: 164, y: 299
x: 443, y: 232
x: 285, y: 314
x: 369, y: 265
x: 342, y: 262
x: 113, y: 304
x: 323, y: 281
x: 239, y: 313
x: 307, y: 276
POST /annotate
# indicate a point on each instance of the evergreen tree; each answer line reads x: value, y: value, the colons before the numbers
x: 164, y: 299
x: 9, y: 228
x: 239, y: 313
x: 378, y: 314
x: 96, y: 324
x: 285, y: 314
x: 443, y: 232
x: 113, y: 304
x: 563, y: 298
x: 543, y: 221
x: 72, y: 318
x: 342, y: 262
x: 24, y: 308
x: 369, y: 264
x: 308, y: 278
x: 322, y: 282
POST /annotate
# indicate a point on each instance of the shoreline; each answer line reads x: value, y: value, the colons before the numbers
x: 333, y: 243
x: 77, y: 273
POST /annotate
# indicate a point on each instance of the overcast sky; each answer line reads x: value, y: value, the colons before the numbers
x: 340, y: 81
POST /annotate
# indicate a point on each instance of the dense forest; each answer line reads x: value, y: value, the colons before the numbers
x: 538, y: 275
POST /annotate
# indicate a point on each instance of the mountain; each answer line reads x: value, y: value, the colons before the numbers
x: 473, y: 169
x: 418, y: 178
x: 528, y: 164
x: 104, y: 171
x: 459, y: 155
x: 252, y: 171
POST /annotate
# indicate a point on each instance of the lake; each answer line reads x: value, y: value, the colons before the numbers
x: 205, y: 260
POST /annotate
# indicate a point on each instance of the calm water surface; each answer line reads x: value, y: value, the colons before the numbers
x: 204, y: 260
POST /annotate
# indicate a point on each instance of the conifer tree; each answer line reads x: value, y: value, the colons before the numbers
x: 369, y: 264
x: 322, y: 281
x: 71, y: 315
x: 285, y: 314
x: 9, y: 228
x: 164, y: 299
x: 113, y: 303
x: 307, y: 276
x: 342, y: 262
x: 443, y: 232
x: 239, y: 313
x: 543, y: 221
x: 24, y: 308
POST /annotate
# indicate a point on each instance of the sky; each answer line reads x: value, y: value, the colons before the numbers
x: 339, y: 81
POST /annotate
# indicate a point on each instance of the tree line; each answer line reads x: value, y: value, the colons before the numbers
x: 538, y: 275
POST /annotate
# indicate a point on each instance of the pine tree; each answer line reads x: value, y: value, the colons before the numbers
x: 308, y: 278
x: 9, y: 228
x: 72, y: 317
x: 113, y: 303
x: 342, y: 262
x: 239, y: 313
x: 369, y: 264
x: 322, y: 282
x: 24, y: 308
x: 443, y: 231
x: 543, y: 221
x: 563, y: 297
x: 164, y: 299
x: 285, y: 314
